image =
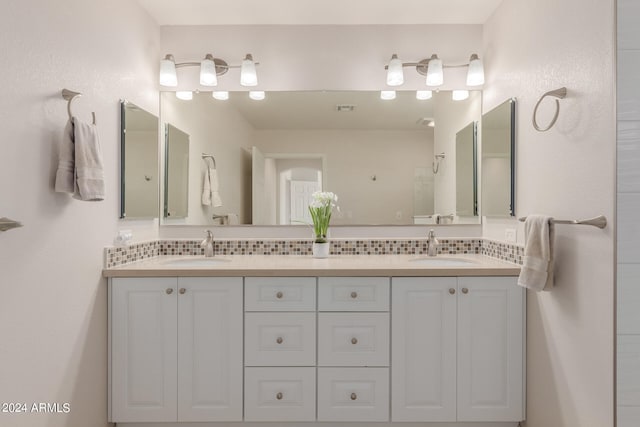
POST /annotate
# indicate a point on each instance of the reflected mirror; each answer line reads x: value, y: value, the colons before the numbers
x: 138, y: 162
x: 176, y: 173
x: 466, y: 171
x: 498, y: 160
x: 377, y: 155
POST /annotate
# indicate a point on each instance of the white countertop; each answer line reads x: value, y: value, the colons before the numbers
x: 305, y: 265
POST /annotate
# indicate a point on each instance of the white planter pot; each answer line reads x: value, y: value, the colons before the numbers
x: 320, y: 250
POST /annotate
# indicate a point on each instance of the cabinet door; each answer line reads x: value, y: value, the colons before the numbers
x: 490, y: 349
x: 423, y: 374
x: 210, y: 349
x: 143, y: 349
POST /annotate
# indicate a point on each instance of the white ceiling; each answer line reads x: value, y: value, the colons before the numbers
x: 319, y: 12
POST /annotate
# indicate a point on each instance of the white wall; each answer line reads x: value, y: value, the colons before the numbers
x: 53, y: 309
x: 567, y: 172
x: 628, y: 254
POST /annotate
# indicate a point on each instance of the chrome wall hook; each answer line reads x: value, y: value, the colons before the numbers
x: 557, y: 93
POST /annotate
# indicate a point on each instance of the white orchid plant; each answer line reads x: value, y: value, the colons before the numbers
x: 321, y: 208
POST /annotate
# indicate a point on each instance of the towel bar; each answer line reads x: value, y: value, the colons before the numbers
x: 599, y: 221
x: 209, y: 156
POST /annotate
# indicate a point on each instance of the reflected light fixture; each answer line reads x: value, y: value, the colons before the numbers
x: 257, y: 95
x: 423, y: 95
x: 395, y: 74
x: 433, y: 69
x: 210, y: 69
x: 387, y: 95
x: 459, y: 95
x: 221, y: 95
x: 185, y: 95
x: 248, y: 76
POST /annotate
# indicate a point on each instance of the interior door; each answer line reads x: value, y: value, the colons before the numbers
x: 301, y: 197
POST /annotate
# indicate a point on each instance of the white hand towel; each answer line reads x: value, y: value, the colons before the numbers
x: 216, y: 201
x: 206, y: 188
x: 537, y: 269
x: 232, y: 219
x: 65, y: 175
x: 88, y: 162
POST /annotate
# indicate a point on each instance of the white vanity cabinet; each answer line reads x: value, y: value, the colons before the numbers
x: 175, y: 349
x: 457, y: 346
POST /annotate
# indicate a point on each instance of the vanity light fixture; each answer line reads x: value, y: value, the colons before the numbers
x: 387, y: 95
x: 433, y: 69
x: 459, y: 95
x: 256, y: 95
x: 210, y: 69
x: 423, y: 95
x: 185, y: 95
x: 221, y: 95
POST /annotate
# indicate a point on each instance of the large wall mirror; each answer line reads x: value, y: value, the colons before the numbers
x: 498, y: 160
x: 138, y: 162
x: 391, y: 162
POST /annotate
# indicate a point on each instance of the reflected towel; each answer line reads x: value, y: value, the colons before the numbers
x: 216, y: 201
x: 232, y: 219
x: 89, y: 173
x: 537, y: 269
x: 206, y: 188
x: 65, y: 182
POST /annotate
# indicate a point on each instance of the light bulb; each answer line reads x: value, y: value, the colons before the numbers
x: 248, y: 76
x: 395, y: 75
x: 221, y: 95
x: 256, y: 95
x: 387, y: 94
x: 185, y: 95
x: 208, y: 75
x: 435, y: 75
x: 459, y: 95
x: 475, y: 74
x: 423, y: 95
x: 168, y: 75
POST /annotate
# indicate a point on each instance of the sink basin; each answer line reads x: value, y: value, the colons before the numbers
x: 442, y: 262
x: 196, y: 262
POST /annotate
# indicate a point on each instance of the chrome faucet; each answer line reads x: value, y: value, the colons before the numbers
x: 432, y: 243
x: 207, y: 244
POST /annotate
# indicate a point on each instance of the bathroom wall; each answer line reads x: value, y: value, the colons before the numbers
x: 53, y: 309
x: 567, y: 172
x: 628, y: 255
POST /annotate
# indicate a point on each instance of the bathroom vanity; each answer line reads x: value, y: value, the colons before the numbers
x: 387, y: 338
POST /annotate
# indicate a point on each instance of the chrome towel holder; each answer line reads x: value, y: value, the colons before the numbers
x: 70, y: 95
x: 599, y: 221
x: 557, y: 93
x: 7, y: 224
x: 206, y: 157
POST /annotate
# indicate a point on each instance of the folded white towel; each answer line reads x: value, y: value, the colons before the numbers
x: 65, y: 175
x: 206, y: 188
x: 88, y: 162
x: 216, y: 201
x: 537, y: 269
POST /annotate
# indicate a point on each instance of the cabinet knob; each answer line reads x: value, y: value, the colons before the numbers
x: 354, y: 396
x: 279, y: 295
x: 465, y: 290
x: 354, y: 294
x: 182, y: 291
x: 169, y: 291
x: 279, y: 340
x: 452, y: 291
x: 354, y: 340
x: 279, y: 396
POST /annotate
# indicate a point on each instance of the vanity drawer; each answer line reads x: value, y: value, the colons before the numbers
x: 353, y: 294
x: 353, y: 394
x: 280, y: 294
x: 280, y: 339
x: 279, y: 394
x: 353, y: 339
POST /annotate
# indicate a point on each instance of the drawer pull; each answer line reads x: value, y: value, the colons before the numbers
x: 279, y: 340
x: 169, y: 291
x: 354, y: 396
x: 279, y: 295
x: 182, y: 291
x: 354, y: 295
x: 465, y: 290
x: 452, y: 291
x: 279, y: 396
x: 354, y: 340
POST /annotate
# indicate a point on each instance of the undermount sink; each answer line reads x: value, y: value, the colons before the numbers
x: 442, y: 262
x: 196, y: 262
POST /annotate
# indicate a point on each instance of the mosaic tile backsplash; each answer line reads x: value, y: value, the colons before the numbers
x: 115, y: 256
